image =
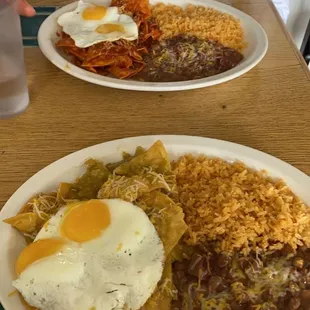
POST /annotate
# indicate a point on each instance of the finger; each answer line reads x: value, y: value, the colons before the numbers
x: 25, y: 9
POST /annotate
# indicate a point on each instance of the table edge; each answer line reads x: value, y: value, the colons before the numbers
x: 291, y: 41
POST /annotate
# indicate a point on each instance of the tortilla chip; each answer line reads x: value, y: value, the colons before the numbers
x: 182, y: 251
x: 87, y: 186
x: 128, y: 189
x: 63, y: 192
x: 164, y: 293
x: 27, y: 207
x: 171, y: 180
x: 43, y: 202
x: 126, y: 158
x: 34, y: 214
x: 155, y: 157
x: 139, y: 150
x: 166, y: 216
x: 25, y: 222
x: 132, y: 188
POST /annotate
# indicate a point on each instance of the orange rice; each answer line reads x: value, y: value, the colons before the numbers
x: 204, y: 23
x: 239, y: 208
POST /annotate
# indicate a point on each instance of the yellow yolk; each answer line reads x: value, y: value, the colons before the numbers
x: 108, y: 28
x: 38, y: 250
x: 85, y: 221
x: 94, y: 13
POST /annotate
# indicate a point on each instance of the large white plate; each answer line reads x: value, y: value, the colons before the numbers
x: 255, y: 36
x: 69, y: 167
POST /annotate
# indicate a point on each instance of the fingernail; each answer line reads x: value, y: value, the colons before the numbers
x: 31, y: 11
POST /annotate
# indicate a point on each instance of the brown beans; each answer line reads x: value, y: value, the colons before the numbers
x: 184, y: 58
x: 264, y: 306
x: 305, y: 299
x: 214, y: 284
x: 307, y: 281
x: 307, y: 255
x: 286, y: 250
x: 223, y: 260
x: 236, y: 306
x: 249, y: 262
x: 179, y: 266
x: 244, y: 263
x: 294, y: 303
x: 294, y: 288
x: 268, y: 294
x: 235, y: 277
x: 198, y: 266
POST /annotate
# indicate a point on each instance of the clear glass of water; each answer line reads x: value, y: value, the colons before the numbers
x: 14, y: 97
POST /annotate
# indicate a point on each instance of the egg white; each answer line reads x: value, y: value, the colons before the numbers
x: 98, y: 273
x: 83, y: 32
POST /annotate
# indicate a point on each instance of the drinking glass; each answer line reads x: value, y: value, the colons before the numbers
x: 14, y: 97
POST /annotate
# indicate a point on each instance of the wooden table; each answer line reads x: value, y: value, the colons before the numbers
x: 267, y: 108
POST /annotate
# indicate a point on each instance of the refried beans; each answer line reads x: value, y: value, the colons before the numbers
x: 183, y: 58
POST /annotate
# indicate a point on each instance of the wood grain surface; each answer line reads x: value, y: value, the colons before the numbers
x: 267, y: 108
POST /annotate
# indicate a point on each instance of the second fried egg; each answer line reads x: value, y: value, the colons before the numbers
x: 90, y: 23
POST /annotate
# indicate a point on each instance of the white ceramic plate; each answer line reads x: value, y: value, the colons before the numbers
x: 69, y: 167
x: 255, y: 36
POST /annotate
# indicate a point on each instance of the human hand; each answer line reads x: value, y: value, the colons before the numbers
x: 25, y: 9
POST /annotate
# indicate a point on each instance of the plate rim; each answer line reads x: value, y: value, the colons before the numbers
x: 233, y: 147
x: 172, y: 141
x: 53, y: 56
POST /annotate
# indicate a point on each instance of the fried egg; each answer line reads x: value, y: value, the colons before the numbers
x: 90, y: 23
x: 99, y: 254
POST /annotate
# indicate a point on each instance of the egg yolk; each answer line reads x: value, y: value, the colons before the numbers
x: 94, y: 13
x: 108, y: 28
x: 38, y: 250
x: 85, y: 221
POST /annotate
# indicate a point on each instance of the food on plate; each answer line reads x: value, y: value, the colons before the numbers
x: 211, y: 280
x: 114, y: 53
x: 166, y: 216
x: 108, y: 268
x: 88, y: 185
x: 88, y: 25
x: 239, y: 208
x: 133, y: 39
x: 247, y: 244
x: 34, y: 214
x: 183, y: 58
x: 99, y: 253
x: 146, y: 233
x: 165, y: 293
x: 200, y: 22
